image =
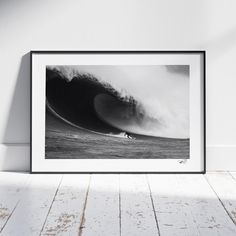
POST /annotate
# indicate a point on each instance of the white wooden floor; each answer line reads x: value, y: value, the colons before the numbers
x: 110, y: 205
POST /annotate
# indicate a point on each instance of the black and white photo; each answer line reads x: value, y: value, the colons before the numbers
x: 117, y: 112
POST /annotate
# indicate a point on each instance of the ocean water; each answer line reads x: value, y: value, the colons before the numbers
x: 64, y: 141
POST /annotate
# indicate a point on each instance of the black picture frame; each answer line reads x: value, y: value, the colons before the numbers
x: 202, y: 52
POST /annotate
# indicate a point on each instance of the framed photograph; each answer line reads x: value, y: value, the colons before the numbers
x: 118, y: 111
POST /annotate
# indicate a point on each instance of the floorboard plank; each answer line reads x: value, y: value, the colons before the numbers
x: 137, y: 215
x: 101, y: 216
x: 31, y: 212
x: 186, y: 205
x: 11, y: 185
x: 66, y: 212
x: 224, y: 186
x: 109, y: 205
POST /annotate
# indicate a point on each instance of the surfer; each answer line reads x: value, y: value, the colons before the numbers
x: 127, y: 135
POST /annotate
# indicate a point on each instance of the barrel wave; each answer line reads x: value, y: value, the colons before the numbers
x: 87, y: 103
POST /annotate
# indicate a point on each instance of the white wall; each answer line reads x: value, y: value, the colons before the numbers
x: 121, y: 24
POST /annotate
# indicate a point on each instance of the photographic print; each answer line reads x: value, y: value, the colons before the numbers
x: 118, y: 112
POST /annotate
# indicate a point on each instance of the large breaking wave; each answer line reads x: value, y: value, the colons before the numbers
x: 83, y: 100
